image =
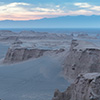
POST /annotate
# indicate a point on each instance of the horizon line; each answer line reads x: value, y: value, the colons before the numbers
x: 49, y: 18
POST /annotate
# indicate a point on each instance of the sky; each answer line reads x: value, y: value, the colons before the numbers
x: 38, y: 9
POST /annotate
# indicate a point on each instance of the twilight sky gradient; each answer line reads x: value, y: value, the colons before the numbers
x: 37, y: 9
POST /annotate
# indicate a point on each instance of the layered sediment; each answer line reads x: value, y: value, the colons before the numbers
x: 22, y: 54
x: 81, y: 60
x: 82, y: 67
x: 85, y: 87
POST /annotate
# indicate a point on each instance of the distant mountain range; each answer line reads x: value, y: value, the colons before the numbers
x: 58, y: 22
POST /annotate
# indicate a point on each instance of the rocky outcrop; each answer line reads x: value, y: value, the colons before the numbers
x: 85, y: 87
x: 6, y: 33
x: 81, y: 59
x: 20, y: 51
x: 21, y: 54
x: 83, y: 35
x: 43, y: 35
x: 8, y: 36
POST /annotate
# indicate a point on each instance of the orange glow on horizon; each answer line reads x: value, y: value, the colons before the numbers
x: 25, y: 11
x: 19, y: 19
x: 34, y: 16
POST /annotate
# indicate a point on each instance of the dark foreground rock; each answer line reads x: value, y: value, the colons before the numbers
x: 85, y: 87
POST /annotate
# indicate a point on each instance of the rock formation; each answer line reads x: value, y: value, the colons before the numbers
x: 19, y: 52
x: 85, y: 87
x: 83, y: 35
x: 81, y: 59
x: 6, y: 33
x: 43, y: 35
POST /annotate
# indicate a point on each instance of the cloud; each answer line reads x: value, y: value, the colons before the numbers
x: 46, y: 10
x: 82, y: 5
x: 12, y: 8
x: 27, y: 11
x: 88, y: 6
x: 58, y: 6
x: 17, y: 3
x: 96, y: 8
x: 81, y: 12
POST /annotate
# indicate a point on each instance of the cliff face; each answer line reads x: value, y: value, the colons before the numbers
x: 20, y: 51
x: 16, y: 55
x: 83, y: 57
x: 85, y: 87
x: 81, y: 60
x: 21, y: 54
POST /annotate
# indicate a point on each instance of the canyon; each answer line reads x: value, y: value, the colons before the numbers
x: 55, y: 60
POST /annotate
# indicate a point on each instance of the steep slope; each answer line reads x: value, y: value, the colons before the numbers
x: 85, y: 87
x: 18, y: 54
x: 3, y: 50
x: 22, y: 54
x: 83, y: 57
x: 21, y: 51
x: 7, y: 36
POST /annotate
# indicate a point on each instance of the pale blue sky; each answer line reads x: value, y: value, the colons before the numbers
x: 37, y: 9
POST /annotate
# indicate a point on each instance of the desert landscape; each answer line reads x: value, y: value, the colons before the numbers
x: 49, y: 50
x: 35, y: 64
